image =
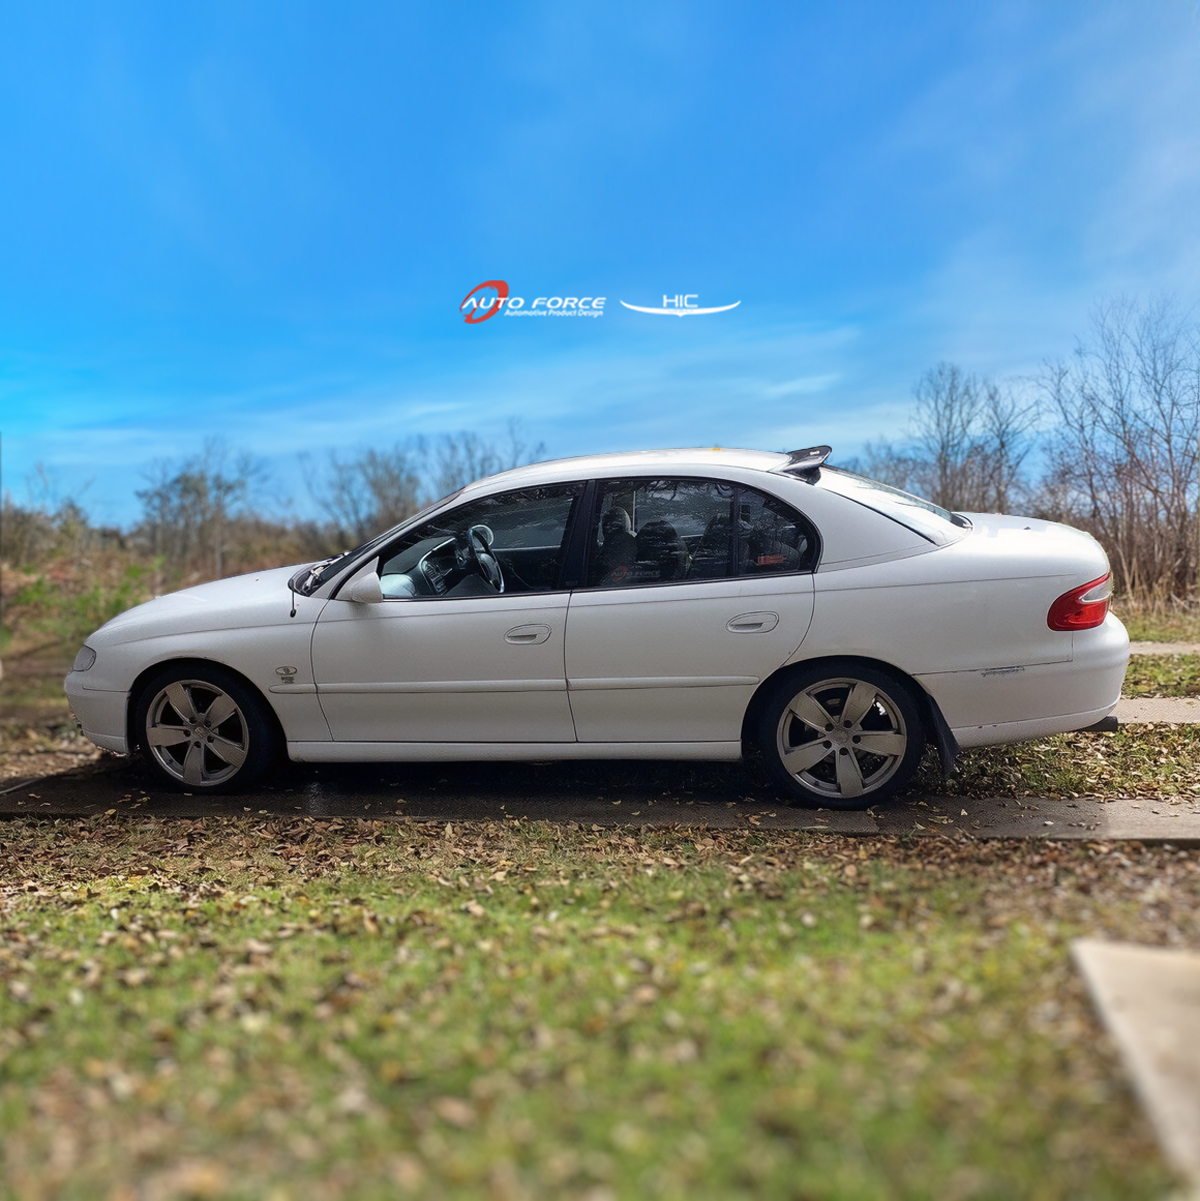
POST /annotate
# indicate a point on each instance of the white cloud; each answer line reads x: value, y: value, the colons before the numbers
x: 731, y: 388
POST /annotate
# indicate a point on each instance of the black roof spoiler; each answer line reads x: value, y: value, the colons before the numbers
x: 807, y: 462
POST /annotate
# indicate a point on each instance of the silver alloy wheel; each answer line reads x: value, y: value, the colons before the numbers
x: 842, y: 737
x: 197, y: 733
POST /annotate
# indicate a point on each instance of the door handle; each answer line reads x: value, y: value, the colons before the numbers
x: 532, y: 634
x: 752, y: 623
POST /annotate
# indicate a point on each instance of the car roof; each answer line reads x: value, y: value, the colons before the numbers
x: 691, y: 461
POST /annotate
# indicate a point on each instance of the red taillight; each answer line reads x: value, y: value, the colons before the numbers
x: 1082, y: 608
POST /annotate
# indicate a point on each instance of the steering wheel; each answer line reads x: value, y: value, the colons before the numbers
x: 478, y: 550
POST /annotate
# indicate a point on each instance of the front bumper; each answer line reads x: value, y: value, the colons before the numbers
x: 100, y: 713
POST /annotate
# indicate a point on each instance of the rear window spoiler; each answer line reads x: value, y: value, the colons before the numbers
x: 806, y: 462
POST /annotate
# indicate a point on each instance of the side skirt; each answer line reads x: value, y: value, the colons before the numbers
x: 445, y: 752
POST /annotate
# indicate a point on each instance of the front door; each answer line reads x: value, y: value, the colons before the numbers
x: 468, y: 643
x: 475, y: 669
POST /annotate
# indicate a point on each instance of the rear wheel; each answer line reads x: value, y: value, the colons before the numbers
x: 841, y: 735
x: 204, y: 730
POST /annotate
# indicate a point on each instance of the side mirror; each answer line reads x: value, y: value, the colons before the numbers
x: 365, y: 591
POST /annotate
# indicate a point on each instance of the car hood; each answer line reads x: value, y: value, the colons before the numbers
x: 261, y: 598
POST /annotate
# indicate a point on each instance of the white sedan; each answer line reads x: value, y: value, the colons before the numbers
x: 682, y: 604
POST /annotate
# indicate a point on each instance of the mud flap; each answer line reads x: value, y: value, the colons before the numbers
x: 943, y: 738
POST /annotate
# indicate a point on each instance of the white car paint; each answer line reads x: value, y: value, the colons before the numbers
x: 679, y: 662
x: 444, y: 669
x: 665, y: 670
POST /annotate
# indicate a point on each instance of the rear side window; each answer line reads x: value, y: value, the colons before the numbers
x: 774, y: 537
x: 675, y: 530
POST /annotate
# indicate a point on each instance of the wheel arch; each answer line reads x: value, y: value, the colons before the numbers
x: 139, y: 686
x: 936, y: 729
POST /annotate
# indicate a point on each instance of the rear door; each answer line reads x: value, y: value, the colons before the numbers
x: 695, y: 591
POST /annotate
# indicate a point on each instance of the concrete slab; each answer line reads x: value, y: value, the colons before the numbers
x: 1183, y: 710
x: 721, y: 796
x: 1174, y: 820
x: 1149, y: 998
x: 1164, y: 648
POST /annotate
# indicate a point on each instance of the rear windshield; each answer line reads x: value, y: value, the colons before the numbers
x: 921, y: 516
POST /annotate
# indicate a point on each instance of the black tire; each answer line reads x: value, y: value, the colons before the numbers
x: 204, y: 730
x: 818, y: 757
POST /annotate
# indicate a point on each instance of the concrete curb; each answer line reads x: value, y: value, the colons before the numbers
x: 1164, y: 648
x: 1149, y: 998
x: 1178, y: 710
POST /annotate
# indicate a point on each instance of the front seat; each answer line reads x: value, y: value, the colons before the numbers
x: 618, y: 551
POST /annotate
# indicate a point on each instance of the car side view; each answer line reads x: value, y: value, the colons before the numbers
x: 678, y: 604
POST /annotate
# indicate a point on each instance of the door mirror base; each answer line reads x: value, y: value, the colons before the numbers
x: 365, y: 591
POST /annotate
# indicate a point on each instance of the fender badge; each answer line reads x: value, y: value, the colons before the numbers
x: 287, y: 675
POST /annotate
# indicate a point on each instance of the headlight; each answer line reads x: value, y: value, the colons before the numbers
x: 84, y: 659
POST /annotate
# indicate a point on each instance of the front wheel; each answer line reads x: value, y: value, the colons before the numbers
x: 841, y: 735
x: 204, y: 730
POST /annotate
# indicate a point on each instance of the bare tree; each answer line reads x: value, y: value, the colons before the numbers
x: 972, y: 435
x: 465, y: 456
x: 190, y: 509
x: 1122, y: 460
x: 374, y: 489
x: 890, y: 463
x: 944, y: 434
x: 1006, y: 428
x: 968, y: 439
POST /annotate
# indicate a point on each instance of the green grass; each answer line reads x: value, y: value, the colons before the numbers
x: 296, y: 1009
x: 60, y: 608
x: 31, y: 693
x: 1157, y: 622
x: 1162, y: 675
x: 1136, y: 760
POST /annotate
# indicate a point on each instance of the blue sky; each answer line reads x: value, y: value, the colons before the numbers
x: 257, y: 220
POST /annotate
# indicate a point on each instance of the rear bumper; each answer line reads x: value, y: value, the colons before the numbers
x: 1012, y: 703
x: 1019, y: 731
x: 100, y: 713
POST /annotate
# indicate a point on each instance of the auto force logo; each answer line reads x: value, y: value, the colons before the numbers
x: 487, y: 299
x: 682, y: 304
x: 487, y: 306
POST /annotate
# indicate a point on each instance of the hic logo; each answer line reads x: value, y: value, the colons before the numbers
x: 682, y: 304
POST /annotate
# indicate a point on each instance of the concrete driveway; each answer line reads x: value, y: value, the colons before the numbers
x: 605, y: 794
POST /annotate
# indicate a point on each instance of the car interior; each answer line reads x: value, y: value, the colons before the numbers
x: 675, y: 530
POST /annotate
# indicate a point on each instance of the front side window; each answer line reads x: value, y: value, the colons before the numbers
x: 512, y: 542
x: 673, y: 530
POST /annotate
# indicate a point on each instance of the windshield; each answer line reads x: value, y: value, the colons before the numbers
x: 322, y: 572
x: 921, y: 516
